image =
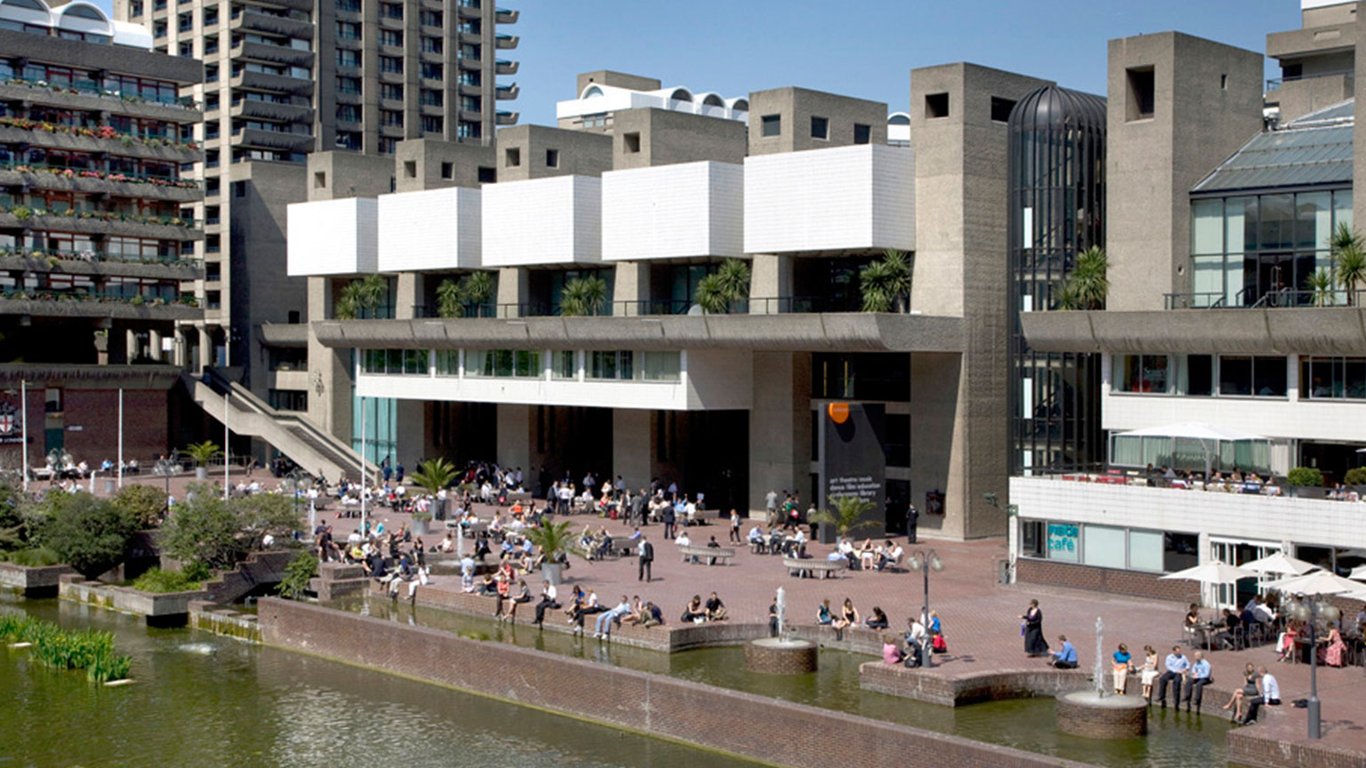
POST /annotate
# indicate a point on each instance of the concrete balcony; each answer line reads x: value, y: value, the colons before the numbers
x: 333, y: 237
x: 506, y: 16
x: 272, y: 54
x: 1334, y: 331
x: 249, y: 19
x: 859, y: 197
x: 102, y: 226
x: 506, y: 42
x: 1298, y: 43
x: 543, y: 221
x: 97, y: 102
x: 260, y: 81
x: 114, y: 309
x: 119, y: 145
x: 39, y: 179
x: 505, y: 67
x: 430, y: 230
x: 507, y: 92
x: 268, y: 110
x: 506, y: 118
x: 72, y: 264
x: 689, y: 210
x: 290, y: 142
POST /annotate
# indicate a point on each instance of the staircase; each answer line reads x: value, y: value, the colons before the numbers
x: 313, y: 449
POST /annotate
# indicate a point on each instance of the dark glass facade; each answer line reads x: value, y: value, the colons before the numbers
x: 1056, y: 179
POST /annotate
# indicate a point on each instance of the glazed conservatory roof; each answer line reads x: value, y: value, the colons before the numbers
x: 1313, y: 150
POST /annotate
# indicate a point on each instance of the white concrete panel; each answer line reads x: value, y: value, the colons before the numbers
x: 860, y: 196
x: 673, y: 211
x: 542, y: 221
x: 719, y: 379
x: 333, y: 237
x: 431, y: 229
x: 1234, y: 515
x: 663, y: 396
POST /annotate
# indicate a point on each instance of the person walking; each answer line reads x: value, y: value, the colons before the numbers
x: 1032, y: 624
x: 646, y: 551
x: 669, y: 517
x: 735, y: 528
x: 912, y: 520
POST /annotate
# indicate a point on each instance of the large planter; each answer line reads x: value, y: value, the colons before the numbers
x: 201, y: 473
x: 419, y: 527
x: 553, y: 572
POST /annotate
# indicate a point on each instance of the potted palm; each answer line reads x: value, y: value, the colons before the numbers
x: 1349, y: 256
x: 718, y: 293
x: 432, y: 476
x: 1088, y: 284
x: 583, y: 296
x: 554, y: 541
x: 845, y: 514
x: 886, y: 284
x: 202, y: 454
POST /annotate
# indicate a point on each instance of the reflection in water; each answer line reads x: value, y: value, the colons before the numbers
x: 1176, y: 739
x: 206, y: 701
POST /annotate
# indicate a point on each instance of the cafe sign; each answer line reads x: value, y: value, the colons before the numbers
x: 1063, y: 541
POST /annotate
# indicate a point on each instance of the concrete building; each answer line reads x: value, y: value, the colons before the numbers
x: 98, y: 284
x: 1231, y: 340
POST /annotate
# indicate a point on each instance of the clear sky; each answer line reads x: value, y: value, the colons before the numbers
x: 850, y: 47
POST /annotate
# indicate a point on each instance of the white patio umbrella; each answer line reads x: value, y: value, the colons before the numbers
x: 1315, y: 583
x: 1281, y: 563
x: 1196, y: 430
x: 1358, y: 573
x: 1213, y: 572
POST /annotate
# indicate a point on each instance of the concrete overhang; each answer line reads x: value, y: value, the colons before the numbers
x: 91, y: 376
x: 824, y: 332
x: 1313, y: 41
x: 284, y: 334
x: 1307, y: 331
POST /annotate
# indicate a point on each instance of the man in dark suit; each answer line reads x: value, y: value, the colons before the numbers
x: 912, y: 518
x: 647, y: 556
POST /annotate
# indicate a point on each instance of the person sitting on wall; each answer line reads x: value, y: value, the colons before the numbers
x: 757, y: 541
x: 878, y: 620
x: 1065, y: 657
x: 694, y: 612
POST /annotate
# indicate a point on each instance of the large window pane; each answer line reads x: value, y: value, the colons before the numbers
x: 1145, y: 551
x: 528, y: 364
x: 1268, y: 375
x: 1141, y: 373
x: 1103, y: 546
x: 566, y: 364
x: 1313, y: 220
x: 447, y: 362
x: 1208, y: 280
x: 1342, y: 207
x: 1235, y: 376
x: 1277, y: 222
x: 1199, y: 371
x: 1179, y: 551
x: 1032, y: 539
x: 1207, y: 228
x: 478, y: 362
x: 660, y: 366
x: 1064, y: 542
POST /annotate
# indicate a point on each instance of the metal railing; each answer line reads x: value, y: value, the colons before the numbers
x: 771, y: 305
x: 1248, y: 298
x: 1275, y: 84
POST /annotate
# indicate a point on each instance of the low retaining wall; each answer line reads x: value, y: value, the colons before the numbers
x: 1267, y: 746
x: 951, y: 690
x: 224, y: 621
x: 259, y: 568
x: 172, y: 607
x: 677, y: 710
x: 1109, y: 580
x: 39, y: 581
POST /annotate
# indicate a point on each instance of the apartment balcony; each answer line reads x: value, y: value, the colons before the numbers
x: 506, y: 16
x: 144, y: 189
x: 507, y: 92
x: 260, y: 81
x: 506, y: 42
x: 430, y: 230
x: 269, y: 110
x: 148, y: 149
x: 272, y: 54
x: 333, y: 237
x: 275, y: 140
x: 505, y: 117
x: 132, y: 376
x: 680, y: 211
x: 97, y: 264
x: 470, y: 8
x: 62, y: 304
x: 255, y: 21
x: 32, y: 93
x: 293, y: 5
x: 859, y: 197
x: 505, y: 67
x: 153, y: 228
x: 1301, y: 43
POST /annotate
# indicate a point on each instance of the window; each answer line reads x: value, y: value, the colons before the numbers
x: 512, y: 157
x: 1141, y: 373
x: 1333, y: 378
x: 320, y: 180
x: 1199, y: 375
x: 503, y: 363
x: 863, y: 133
x: 471, y: 104
x: 936, y: 105
x: 288, y: 399
x: 410, y: 169
x: 1223, y: 82
x: 552, y: 158
x: 565, y: 365
x: 390, y: 11
x: 431, y: 98
x: 1064, y: 542
x: 347, y: 58
x: 431, y: 18
x: 239, y: 189
x: 771, y: 125
x: 391, y: 37
x: 1141, y: 91
x: 1241, y: 376
x: 415, y: 362
x: 348, y: 85
x: 433, y: 124
x: 435, y: 71
x: 820, y: 128
x: 391, y: 91
x: 432, y: 45
x: 348, y: 113
x: 391, y: 117
x: 1180, y: 551
x: 660, y: 366
x: 1104, y: 546
x: 447, y: 362
x: 1032, y: 540
x: 1145, y: 551
x: 348, y: 30
x: 487, y: 175
x: 389, y: 64
x: 630, y: 143
x: 447, y: 170
x: 610, y: 365
x: 1000, y: 109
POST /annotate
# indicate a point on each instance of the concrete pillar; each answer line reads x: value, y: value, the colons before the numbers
x: 330, y: 376
x: 770, y: 280
x: 514, y: 435
x: 154, y: 342
x: 411, y: 432
x: 630, y: 287
x: 937, y: 429
x: 408, y: 296
x: 205, y: 347
x: 130, y: 346
x: 632, y: 448
x: 780, y: 426
x: 514, y: 289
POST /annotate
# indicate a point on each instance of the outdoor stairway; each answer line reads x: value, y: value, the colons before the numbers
x: 337, y: 580
x: 313, y: 449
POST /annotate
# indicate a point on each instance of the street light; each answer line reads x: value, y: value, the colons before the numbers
x: 926, y: 561
x: 165, y: 467
x: 1310, y: 610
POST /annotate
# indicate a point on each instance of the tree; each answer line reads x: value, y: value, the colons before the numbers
x: 553, y: 538
x: 144, y: 503
x: 1349, y: 256
x: 718, y: 292
x: 711, y: 295
x: 478, y: 288
x: 886, y: 284
x: 1088, y: 284
x: 263, y: 513
x: 202, y: 453
x: 88, y: 533
x: 1322, y: 285
x: 433, y: 475
x: 471, y: 292
x: 450, y: 299
x: 846, y: 514
x: 298, y: 574
x: 361, y: 297
x: 583, y: 296
x: 201, y: 529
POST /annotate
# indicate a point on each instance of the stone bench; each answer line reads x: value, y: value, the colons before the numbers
x: 820, y: 569
x: 712, y: 554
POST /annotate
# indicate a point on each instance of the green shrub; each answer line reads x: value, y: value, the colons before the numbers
x: 88, y: 533
x: 207, y: 530
x: 1355, y: 476
x: 1305, y: 477
x: 300, y: 570
x: 58, y: 648
x: 34, y: 557
x: 144, y: 503
x: 157, y: 580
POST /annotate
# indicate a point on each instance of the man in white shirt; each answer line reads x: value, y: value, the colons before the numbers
x: 1269, y: 694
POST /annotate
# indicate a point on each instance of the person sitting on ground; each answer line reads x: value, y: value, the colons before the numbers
x: 652, y: 615
x: 891, y: 654
x: 1268, y: 693
x: 694, y: 612
x: 488, y: 586
x: 548, y: 601
x: 1065, y: 657
x: 716, y: 610
x: 848, y: 617
x: 1243, y: 695
x: 602, y: 628
x: 878, y: 620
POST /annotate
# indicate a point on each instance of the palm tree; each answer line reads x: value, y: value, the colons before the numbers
x: 202, y: 453
x: 478, y: 288
x: 733, y: 277
x: 1350, y: 256
x: 583, y: 296
x: 434, y: 475
x: 360, y: 297
x: 1088, y: 285
x: 450, y: 299
x: 347, y: 305
x: 554, y: 540
x: 1321, y: 283
x: 846, y: 513
x: 886, y: 283
x: 712, y: 296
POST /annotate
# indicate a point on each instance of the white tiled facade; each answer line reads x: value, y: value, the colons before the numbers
x: 333, y: 237
x: 543, y: 221
x: 673, y: 211
x: 432, y: 229
x: 861, y: 196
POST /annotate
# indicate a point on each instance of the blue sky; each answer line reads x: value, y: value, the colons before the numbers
x: 861, y: 49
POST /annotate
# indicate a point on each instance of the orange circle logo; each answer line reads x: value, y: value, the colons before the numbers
x: 839, y: 412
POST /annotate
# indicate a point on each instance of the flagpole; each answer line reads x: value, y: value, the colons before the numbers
x: 365, y: 530
x: 227, y: 480
x: 23, y: 404
x: 120, y: 437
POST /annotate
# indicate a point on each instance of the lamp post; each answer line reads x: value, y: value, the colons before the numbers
x: 925, y: 561
x: 1310, y: 610
x: 165, y: 468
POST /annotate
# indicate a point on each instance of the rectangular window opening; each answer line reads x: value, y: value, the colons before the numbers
x: 771, y: 125
x: 1141, y: 93
x: 1001, y: 108
x: 936, y: 105
x: 820, y: 128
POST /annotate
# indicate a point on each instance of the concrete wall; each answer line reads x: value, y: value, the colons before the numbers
x: 514, y: 435
x: 1113, y: 581
x: 780, y: 425
x: 665, y: 137
x: 422, y: 163
x: 677, y: 211
x: 543, y: 221
x: 1207, y: 102
x: 796, y: 106
x: 678, y: 710
x: 579, y: 153
x: 633, y: 446
x: 339, y: 174
x: 431, y: 230
x: 330, y: 370
x: 334, y: 237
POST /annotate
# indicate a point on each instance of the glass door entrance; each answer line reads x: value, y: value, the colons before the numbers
x: 1235, y: 596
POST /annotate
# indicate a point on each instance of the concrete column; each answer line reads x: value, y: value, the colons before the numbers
x: 412, y: 432
x: 514, y: 435
x: 130, y: 346
x: 330, y: 375
x: 154, y: 341
x: 770, y: 279
x: 631, y: 285
x: 632, y: 448
x: 937, y: 429
x: 514, y: 288
x: 205, y: 347
x: 408, y: 294
x: 780, y: 426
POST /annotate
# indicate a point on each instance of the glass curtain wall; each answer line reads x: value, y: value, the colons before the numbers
x: 1056, y: 170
